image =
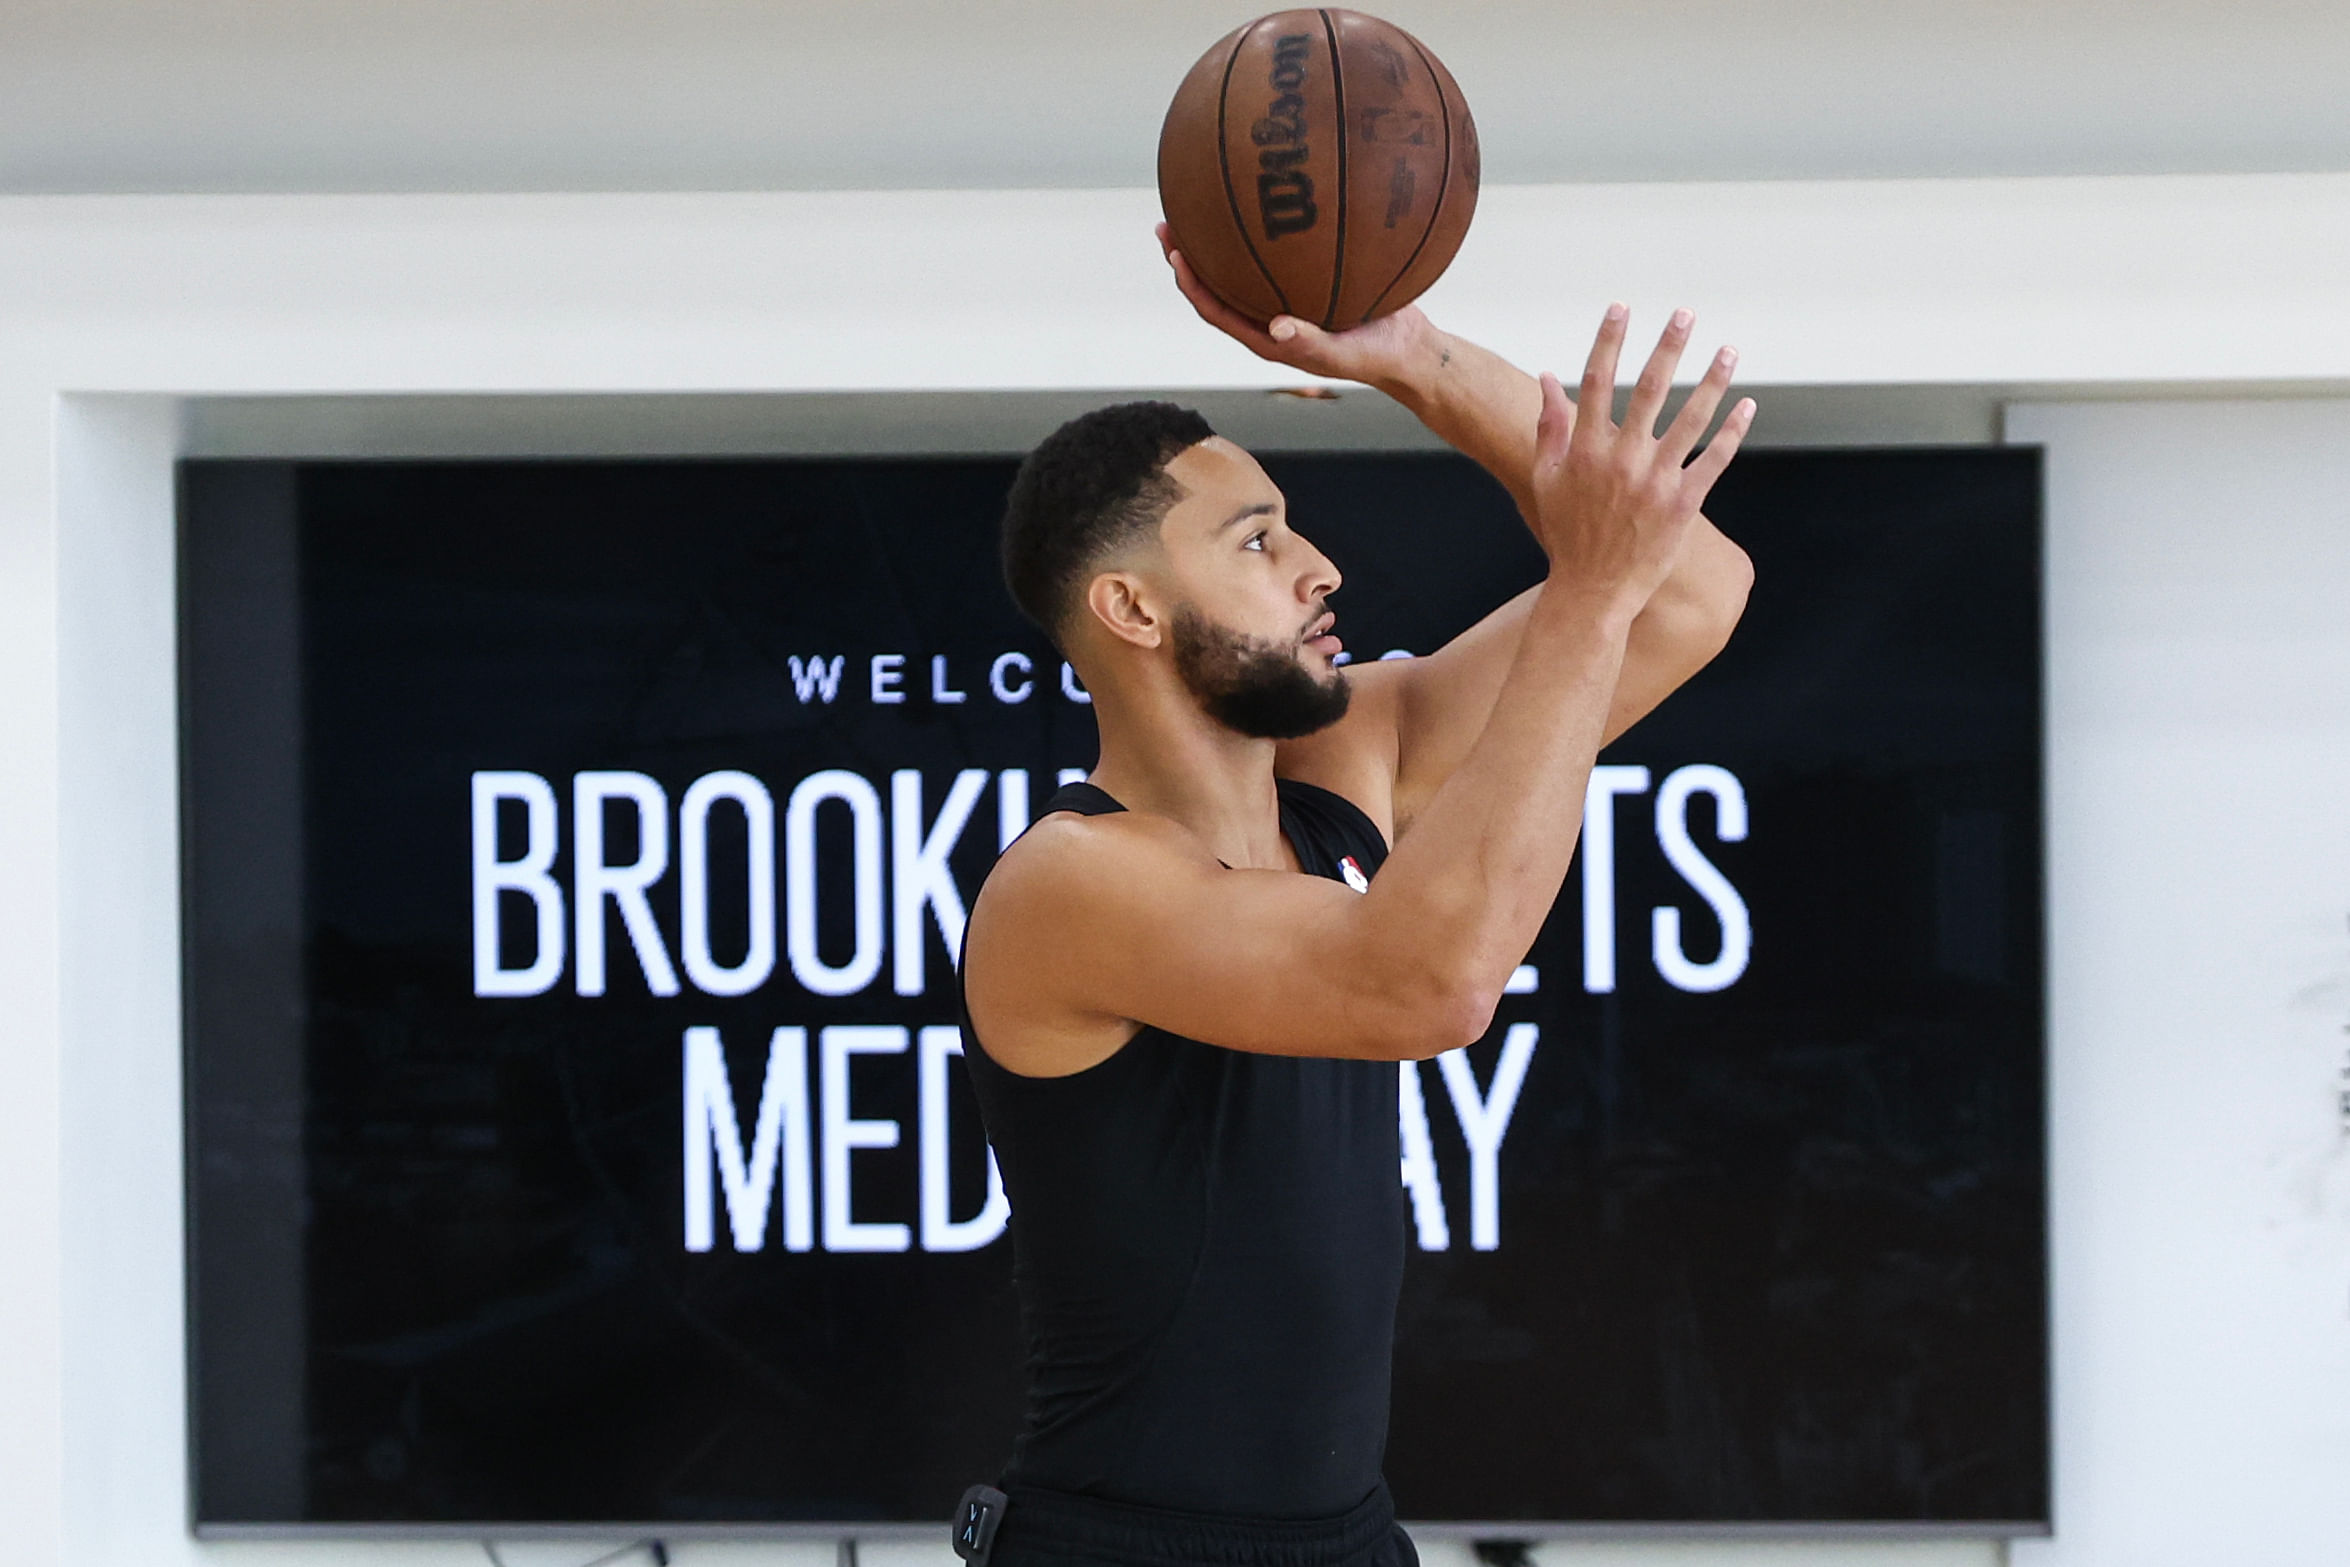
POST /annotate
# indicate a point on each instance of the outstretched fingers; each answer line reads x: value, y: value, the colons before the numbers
x: 1689, y: 425
x: 1599, y: 372
x: 1656, y: 377
x: 1699, y: 476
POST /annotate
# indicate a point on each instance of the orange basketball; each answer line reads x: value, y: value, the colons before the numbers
x: 1319, y: 164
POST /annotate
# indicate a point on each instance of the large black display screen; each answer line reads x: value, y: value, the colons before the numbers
x: 575, y: 854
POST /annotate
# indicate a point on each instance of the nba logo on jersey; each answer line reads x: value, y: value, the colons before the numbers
x: 1353, y: 873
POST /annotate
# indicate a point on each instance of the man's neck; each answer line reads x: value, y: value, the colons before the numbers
x: 1168, y: 758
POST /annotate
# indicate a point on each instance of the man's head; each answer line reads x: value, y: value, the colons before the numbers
x: 1137, y: 537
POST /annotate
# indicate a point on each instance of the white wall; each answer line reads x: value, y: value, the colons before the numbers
x: 118, y: 976
x: 2199, y: 900
x: 120, y: 317
x: 1831, y: 283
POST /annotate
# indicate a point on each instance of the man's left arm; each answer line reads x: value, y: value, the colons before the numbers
x: 1415, y: 719
x: 1486, y: 408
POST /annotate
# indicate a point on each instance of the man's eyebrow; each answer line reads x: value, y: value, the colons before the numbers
x: 1260, y: 509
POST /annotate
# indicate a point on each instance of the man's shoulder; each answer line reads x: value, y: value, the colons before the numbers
x: 1074, y: 897
x: 1071, y: 839
x: 1067, y: 860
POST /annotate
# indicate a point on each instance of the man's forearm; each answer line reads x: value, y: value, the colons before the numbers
x: 1614, y: 505
x: 1467, y: 889
x: 1486, y: 408
x: 1479, y: 404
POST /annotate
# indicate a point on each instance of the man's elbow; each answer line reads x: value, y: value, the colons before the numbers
x: 1699, y: 622
x: 1443, y: 1014
x: 1467, y: 1014
x: 1729, y: 581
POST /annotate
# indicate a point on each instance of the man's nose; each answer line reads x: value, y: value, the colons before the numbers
x: 1321, y: 579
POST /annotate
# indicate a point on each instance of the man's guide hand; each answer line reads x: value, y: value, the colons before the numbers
x: 1614, y: 502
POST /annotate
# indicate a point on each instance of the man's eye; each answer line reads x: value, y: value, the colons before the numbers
x: 1256, y: 541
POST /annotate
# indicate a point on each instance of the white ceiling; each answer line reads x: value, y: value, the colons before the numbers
x: 464, y: 95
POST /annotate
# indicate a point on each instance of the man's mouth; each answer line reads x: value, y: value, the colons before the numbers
x: 1319, y: 636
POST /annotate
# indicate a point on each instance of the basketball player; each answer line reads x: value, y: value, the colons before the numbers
x: 1187, y: 985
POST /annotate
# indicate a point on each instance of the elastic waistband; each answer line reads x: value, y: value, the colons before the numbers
x: 1083, y: 1525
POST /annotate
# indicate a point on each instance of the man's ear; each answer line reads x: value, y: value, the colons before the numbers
x: 1124, y: 606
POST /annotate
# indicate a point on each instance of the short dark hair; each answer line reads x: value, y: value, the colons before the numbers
x: 1088, y: 488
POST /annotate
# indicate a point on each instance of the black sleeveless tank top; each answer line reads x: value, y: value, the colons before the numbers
x: 1207, y: 1248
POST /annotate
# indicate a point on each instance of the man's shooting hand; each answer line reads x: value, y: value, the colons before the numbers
x: 1614, y: 502
x: 1385, y: 352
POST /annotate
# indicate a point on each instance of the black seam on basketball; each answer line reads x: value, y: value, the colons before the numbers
x: 1443, y: 182
x: 1224, y: 165
x: 1338, y: 113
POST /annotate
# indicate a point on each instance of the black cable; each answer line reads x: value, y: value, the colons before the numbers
x: 1504, y: 1553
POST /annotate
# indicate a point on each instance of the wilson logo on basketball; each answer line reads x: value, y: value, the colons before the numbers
x: 1285, y: 192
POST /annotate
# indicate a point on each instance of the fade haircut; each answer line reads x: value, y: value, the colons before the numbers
x: 1090, y: 488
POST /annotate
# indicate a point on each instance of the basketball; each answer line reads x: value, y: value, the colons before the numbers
x: 1320, y: 164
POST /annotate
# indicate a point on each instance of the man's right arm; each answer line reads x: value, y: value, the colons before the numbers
x: 1110, y: 921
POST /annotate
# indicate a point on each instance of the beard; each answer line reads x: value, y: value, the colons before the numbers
x: 1252, y: 687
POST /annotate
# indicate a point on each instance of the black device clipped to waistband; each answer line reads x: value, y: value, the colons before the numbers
x: 976, y: 1521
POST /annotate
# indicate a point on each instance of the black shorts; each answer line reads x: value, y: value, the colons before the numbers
x: 1054, y: 1529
